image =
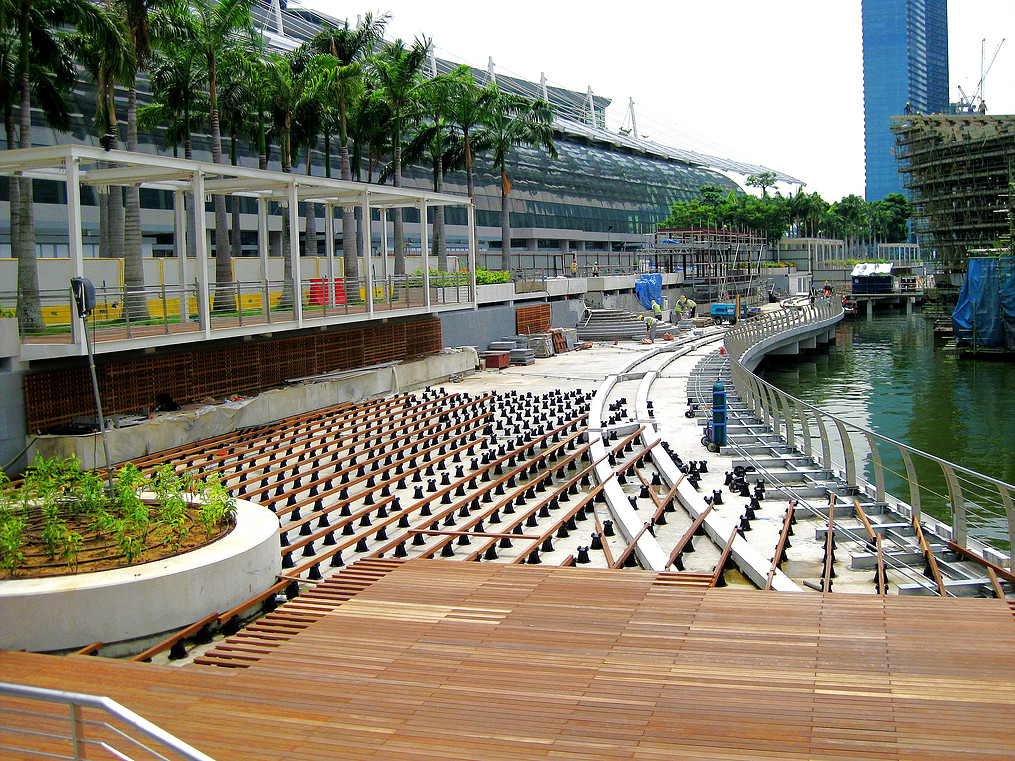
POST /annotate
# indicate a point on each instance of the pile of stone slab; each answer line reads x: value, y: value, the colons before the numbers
x: 612, y: 324
x: 517, y: 348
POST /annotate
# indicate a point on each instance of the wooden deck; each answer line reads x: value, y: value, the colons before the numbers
x: 437, y: 660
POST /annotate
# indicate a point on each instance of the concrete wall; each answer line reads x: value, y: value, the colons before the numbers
x: 128, y: 608
x: 13, y: 430
x: 174, y: 429
x: 477, y: 327
x: 565, y: 314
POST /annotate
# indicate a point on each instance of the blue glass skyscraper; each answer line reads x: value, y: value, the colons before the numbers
x: 905, y: 60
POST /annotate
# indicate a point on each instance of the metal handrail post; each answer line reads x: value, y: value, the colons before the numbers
x: 165, y: 310
x: 75, y: 734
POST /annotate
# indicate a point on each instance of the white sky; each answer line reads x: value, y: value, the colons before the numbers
x: 775, y: 82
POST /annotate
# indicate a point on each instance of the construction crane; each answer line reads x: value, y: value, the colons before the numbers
x: 971, y: 104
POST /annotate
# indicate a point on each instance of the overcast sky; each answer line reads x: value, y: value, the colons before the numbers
x: 778, y: 83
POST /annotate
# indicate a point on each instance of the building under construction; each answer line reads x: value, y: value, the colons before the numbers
x: 718, y: 264
x: 959, y: 169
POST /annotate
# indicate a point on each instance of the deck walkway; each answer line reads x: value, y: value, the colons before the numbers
x: 488, y: 661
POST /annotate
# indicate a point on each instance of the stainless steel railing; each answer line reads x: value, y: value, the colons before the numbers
x: 973, y: 504
x: 123, y: 312
x: 81, y: 726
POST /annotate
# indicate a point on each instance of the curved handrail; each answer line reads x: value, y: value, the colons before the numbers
x: 789, y: 416
x: 108, y: 706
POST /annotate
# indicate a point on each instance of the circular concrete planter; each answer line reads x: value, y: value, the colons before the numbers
x: 129, y: 608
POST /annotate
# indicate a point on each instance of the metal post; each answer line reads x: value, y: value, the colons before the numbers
x: 329, y: 251
x: 262, y: 251
x: 75, y: 731
x: 424, y: 246
x: 473, y: 248
x: 294, y: 253
x: 388, y: 284
x: 180, y: 245
x: 98, y: 406
x: 365, y: 245
x: 74, y: 227
x: 201, y: 248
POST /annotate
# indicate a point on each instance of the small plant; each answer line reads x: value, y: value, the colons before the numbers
x: 12, y: 534
x: 58, y: 508
x: 6, y: 313
x: 491, y: 277
x: 217, y: 506
x: 70, y: 545
x: 127, y: 540
x: 53, y: 529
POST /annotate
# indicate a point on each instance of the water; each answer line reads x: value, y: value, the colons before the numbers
x: 888, y: 375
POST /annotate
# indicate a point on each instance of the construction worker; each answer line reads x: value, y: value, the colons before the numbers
x: 687, y: 306
x: 650, y: 326
x: 678, y: 311
x: 656, y: 309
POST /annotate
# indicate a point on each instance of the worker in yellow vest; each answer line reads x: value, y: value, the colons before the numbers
x: 689, y: 306
x: 650, y: 326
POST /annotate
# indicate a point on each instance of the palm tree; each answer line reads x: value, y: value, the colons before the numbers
x: 137, y: 20
x: 214, y: 28
x: 514, y: 121
x: 468, y: 108
x: 51, y: 72
x: 290, y: 82
x: 38, y: 24
x: 349, y: 48
x: 436, y: 140
x: 178, y: 100
x: 107, y: 67
x: 398, y: 73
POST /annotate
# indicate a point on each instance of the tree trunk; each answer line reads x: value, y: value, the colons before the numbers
x: 505, y: 225
x: 224, y: 295
x: 310, y: 246
x: 288, y: 290
x: 29, y: 303
x: 470, y: 180
x: 350, y: 257
x: 439, y: 248
x: 134, y: 299
x: 13, y: 185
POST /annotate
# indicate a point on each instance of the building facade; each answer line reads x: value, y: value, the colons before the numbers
x: 905, y: 63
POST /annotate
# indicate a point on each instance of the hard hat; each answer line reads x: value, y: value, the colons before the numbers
x: 641, y: 317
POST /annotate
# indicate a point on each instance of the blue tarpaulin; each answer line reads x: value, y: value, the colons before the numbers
x: 985, y: 313
x: 649, y: 288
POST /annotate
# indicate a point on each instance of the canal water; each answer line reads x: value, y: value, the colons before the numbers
x: 888, y: 374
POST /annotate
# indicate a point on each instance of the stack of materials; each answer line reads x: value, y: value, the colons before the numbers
x: 518, y: 348
x: 542, y: 344
x: 523, y: 357
x: 611, y: 324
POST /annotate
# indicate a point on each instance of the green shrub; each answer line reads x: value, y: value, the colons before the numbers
x: 58, y: 497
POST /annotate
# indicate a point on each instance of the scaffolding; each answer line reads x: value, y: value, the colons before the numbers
x: 958, y: 171
x: 717, y: 263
